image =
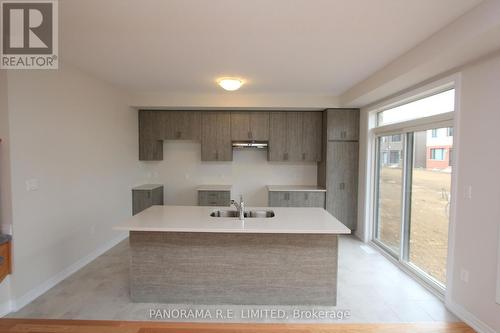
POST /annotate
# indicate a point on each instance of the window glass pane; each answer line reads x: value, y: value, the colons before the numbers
x: 430, y: 202
x: 390, y: 182
x: 425, y: 107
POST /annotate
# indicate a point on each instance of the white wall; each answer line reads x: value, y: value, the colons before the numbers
x: 182, y: 171
x: 78, y: 138
x: 476, y: 242
x: 5, y: 197
x: 233, y: 99
x: 478, y: 218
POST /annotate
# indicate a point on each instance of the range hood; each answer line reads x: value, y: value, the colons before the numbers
x: 250, y: 144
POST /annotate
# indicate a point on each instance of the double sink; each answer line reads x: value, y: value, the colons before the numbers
x: 246, y: 214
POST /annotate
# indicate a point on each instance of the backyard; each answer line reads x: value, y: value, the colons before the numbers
x: 429, y: 217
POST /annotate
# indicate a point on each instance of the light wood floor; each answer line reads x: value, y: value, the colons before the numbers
x: 92, y: 326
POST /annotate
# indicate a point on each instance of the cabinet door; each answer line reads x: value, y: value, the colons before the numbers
x: 294, y: 136
x: 298, y: 199
x: 216, y: 137
x: 240, y: 126
x: 150, y: 136
x: 342, y: 181
x: 224, y: 144
x: 157, y: 196
x: 141, y: 200
x: 277, y: 149
x: 343, y: 124
x: 279, y: 199
x: 311, y: 136
x: 209, y: 136
x: 259, y: 126
x: 181, y: 125
x: 316, y: 199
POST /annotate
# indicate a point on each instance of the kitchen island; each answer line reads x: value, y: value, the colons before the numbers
x: 182, y: 254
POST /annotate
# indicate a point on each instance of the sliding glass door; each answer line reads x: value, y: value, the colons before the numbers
x: 390, y: 150
x: 413, y: 195
x: 430, y: 200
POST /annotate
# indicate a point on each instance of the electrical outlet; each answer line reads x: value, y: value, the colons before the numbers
x: 464, y: 275
x: 32, y: 185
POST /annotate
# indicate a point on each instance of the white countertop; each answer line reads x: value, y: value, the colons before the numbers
x: 147, y: 187
x: 295, y: 188
x: 214, y: 187
x: 198, y: 219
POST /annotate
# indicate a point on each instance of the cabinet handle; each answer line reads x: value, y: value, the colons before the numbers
x: 303, y: 156
x: 217, y: 155
x: 285, y: 156
x: 149, y: 195
x: 287, y: 196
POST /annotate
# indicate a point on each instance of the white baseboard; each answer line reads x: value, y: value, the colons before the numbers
x: 471, y: 320
x: 17, y: 304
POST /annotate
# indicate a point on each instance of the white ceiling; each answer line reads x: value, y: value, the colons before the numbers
x: 278, y: 46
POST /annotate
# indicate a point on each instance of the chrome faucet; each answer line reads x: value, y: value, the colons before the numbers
x: 240, y: 207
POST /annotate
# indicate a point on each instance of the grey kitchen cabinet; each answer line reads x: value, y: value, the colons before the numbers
x: 342, y: 180
x: 145, y: 196
x: 277, y: 150
x: 150, y: 137
x: 338, y: 169
x: 343, y: 124
x: 279, y: 199
x: 216, y: 136
x: 311, y: 136
x: 296, y: 199
x: 214, y: 198
x: 250, y: 126
x: 295, y: 136
x: 181, y: 125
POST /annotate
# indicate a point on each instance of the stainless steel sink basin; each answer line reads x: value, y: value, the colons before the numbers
x: 259, y: 213
x: 247, y: 214
x: 225, y: 213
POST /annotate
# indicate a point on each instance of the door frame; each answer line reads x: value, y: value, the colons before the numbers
x: 369, y: 211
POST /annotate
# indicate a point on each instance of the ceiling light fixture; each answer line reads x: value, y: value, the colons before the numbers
x: 230, y: 84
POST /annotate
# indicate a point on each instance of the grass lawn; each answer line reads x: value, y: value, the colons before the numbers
x: 429, y: 217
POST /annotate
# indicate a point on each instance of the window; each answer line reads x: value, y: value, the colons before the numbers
x: 429, y: 106
x: 396, y: 138
x: 413, y: 227
x: 449, y: 131
x: 434, y: 133
x: 437, y: 154
x: 394, y: 157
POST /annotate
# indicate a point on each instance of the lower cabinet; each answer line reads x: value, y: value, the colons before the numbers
x: 297, y: 199
x: 145, y: 196
x: 214, y: 198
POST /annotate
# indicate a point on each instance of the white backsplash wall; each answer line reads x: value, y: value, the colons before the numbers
x: 182, y: 171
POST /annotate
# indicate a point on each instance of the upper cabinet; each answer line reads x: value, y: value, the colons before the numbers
x: 181, y: 125
x: 295, y: 136
x: 292, y: 136
x: 250, y: 126
x: 150, y: 141
x: 343, y: 124
x: 216, y: 142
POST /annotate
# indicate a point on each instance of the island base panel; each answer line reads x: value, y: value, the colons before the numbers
x: 233, y: 268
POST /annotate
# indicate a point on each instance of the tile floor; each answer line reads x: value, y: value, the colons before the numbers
x: 370, y: 288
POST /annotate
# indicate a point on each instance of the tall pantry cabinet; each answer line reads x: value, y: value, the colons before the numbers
x: 338, y: 169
